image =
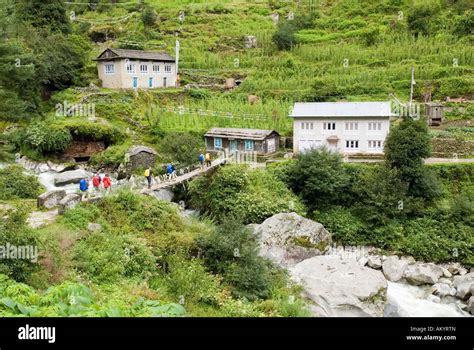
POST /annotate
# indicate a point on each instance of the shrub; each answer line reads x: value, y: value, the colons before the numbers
x: 105, y: 257
x: 182, y: 148
x: 14, y: 232
x: 250, y: 195
x: 344, y: 227
x: 318, y: 177
x: 15, y: 184
x: 45, y: 138
x: 231, y: 251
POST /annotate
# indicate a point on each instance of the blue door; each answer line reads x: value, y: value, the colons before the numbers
x: 135, y: 82
x: 150, y: 82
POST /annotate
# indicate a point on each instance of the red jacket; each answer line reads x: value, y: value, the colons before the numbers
x: 96, y: 181
x: 107, y: 182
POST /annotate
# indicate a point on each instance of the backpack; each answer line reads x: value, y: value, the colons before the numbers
x: 208, y: 156
x: 147, y: 172
x: 96, y: 181
x: 83, y: 185
x: 201, y: 157
x: 169, y: 168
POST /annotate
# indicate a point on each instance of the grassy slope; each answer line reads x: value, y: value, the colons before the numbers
x: 211, y: 37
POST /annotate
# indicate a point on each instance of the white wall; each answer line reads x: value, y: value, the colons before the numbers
x: 315, y: 135
x: 124, y: 80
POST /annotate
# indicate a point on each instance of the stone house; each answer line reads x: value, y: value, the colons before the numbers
x: 248, y: 140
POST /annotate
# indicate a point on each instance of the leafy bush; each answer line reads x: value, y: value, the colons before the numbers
x: 318, y: 177
x: 15, y: 233
x: 231, y: 251
x: 105, y: 257
x: 45, y: 138
x: 15, y: 184
x: 250, y: 195
x: 88, y: 131
x: 182, y: 148
x: 344, y: 227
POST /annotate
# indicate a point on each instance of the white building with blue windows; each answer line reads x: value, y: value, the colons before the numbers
x: 136, y: 69
x: 344, y: 127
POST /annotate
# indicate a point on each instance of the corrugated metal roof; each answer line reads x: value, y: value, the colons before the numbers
x: 341, y: 109
x: 251, y: 134
x: 138, y: 54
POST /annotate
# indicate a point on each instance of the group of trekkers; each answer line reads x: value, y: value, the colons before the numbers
x: 97, y: 181
x: 171, y: 170
x: 106, y: 182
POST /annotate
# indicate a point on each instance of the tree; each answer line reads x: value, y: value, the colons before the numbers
x: 182, y: 148
x: 406, y: 147
x: 148, y: 17
x: 49, y: 14
x: 318, y: 176
x: 420, y: 17
x: 284, y: 38
x: 231, y: 250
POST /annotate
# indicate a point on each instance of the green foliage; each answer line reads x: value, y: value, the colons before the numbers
x: 232, y: 252
x: 45, y: 139
x: 187, y: 279
x: 113, y: 156
x: 250, y: 195
x: 15, y: 184
x: 149, y: 16
x: 318, y: 177
x: 106, y: 257
x: 181, y: 148
x: 49, y: 14
x: 15, y: 233
x: 88, y: 131
x: 421, y: 17
x: 284, y: 38
x: 343, y: 225
x: 75, y: 299
x: 406, y: 146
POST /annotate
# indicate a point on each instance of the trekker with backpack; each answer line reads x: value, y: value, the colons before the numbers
x: 169, y: 171
x: 96, y: 180
x: 84, y: 187
x: 107, y: 183
x: 208, y: 159
x: 148, y: 175
x: 201, y: 160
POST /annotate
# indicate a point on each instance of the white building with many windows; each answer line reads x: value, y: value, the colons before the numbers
x: 344, y: 127
x: 136, y: 69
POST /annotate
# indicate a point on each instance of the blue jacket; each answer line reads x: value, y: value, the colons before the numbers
x: 169, y: 168
x: 83, y: 185
x: 201, y: 157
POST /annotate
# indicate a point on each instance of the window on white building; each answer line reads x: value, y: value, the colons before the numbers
x: 351, y: 126
x: 131, y: 68
x: 375, y: 144
x: 329, y: 126
x: 143, y: 68
x: 156, y: 68
x: 109, y: 68
x: 307, y: 126
x: 352, y: 144
x: 373, y: 126
x: 167, y: 68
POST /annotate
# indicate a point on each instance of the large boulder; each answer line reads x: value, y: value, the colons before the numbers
x: 341, y: 287
x: 39, y: 219
x: 423, y: 273
x: 470, y: 305
x: 393, y: 268
x: 69, y: 177
x: 443, y: 289
x: 463, y: 285
x: 164, y: 194
x: 288, y: 238
x: 50, y: 199
x: 69, y: 202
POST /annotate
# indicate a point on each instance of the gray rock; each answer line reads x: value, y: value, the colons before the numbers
x: 423, y: 273
x: 363, y: 261
x: 42, y: 168
x: 69, y: 177
x: 164, y: 194
x: 94, y: 227
x: 446, y: 273
x: 288, y: 238
x: 454, y: 268
x: 445, y: 281
x: 470, y: 305
x: 50, y: 199
x: 39, y: 219
x: 56, y: 167
x: 442, y: 290
x: 463, y: 285
x: 250, y: 41
x: 374, y: 261
x: 69, y: 202
x: 433, y: 298
x: 393, y: 268
x: 409, y: 260
x: 341, y: 287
